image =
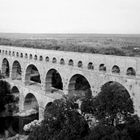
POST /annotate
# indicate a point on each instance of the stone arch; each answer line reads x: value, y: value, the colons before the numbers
x: 41, y: 58
x: 21, y: 55
x: 71, y: 63
x: 26, y: 55
x: 16, y: 71
x: 16, y: 93
x: 53, y: 81
x: 115, y: 69
x: 9, y: 52
x: 90, y: 66
x: 17, y: 54
x: 6, y: 52
x: 62, y: 61
x: 48, y: 104
x: 5, y: 68
x: 47, y: 59
x: 131, y: 71
x: 117, y: 80
x: 31, y: 56
x: 79, y: 85
x: 35, y: 57
x: 102, y: 67
x: 54, y: 60
x: 31, y: 103
x: 13, y: 53
x: 80, y: 64
x: 119, y: 85
x: 32, y: 75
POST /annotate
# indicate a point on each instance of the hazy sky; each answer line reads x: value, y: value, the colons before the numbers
x: 70, y: 16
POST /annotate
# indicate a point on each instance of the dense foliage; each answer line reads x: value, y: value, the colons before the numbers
x: 61, y: 122
x: 113, y: 104
x: 5, y: 95
x: 112, y: 107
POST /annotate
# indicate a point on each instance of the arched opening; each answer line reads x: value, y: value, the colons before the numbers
x: 70, y: 62
x: 46, y: 112
x: 102, y: 67
x: 53, y: 81
x: 54, y: 60
x: 90, y: 66
x: 31, y: 56
x: 115, y: 103
x: 21, y: 55
x: 79, y: 86
x: 47, y: 59
x: 32, y: 76
x: 62, y: 62
x: 35, y: 57
x: 5, y: 68
x: 41, y: 58
x: 9, y: 52
x: 15, y: 92
x: 118, y: 87
x: 48, y: 104
x: 17, y: 54
x: 131, y: 71
x: 80, y: 64
x: 16, y: 71
x: 6, y: 52
x: 115, y: 69
x: 26, y: 55
x: 13, y: 54
x: 31, y: 105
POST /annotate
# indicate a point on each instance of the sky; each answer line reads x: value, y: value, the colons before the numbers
x: 70, y: 16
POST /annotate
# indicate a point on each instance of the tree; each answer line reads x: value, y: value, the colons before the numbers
x: 61, y: 121
x: 5, y: 95
x: 113, y: 104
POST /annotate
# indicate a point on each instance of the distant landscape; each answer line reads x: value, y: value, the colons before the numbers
x: 110, y: 44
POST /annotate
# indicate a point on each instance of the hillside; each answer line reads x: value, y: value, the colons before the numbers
x: 111, y: 44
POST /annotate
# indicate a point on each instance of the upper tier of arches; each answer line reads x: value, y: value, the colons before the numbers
x: 80, y: 64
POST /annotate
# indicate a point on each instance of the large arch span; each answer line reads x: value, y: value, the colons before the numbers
x: 16, y: 71
x: 32, y: 75
x: 53, y: 80
x: 31, y: 103
x: 5, y: 68
x: 79, y: 85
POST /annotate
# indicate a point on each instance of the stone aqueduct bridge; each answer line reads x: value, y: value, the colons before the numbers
x: 33, y: 72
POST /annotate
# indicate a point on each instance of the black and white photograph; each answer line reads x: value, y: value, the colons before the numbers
x: 69, y: 70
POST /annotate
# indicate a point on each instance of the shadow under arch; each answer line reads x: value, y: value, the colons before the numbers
x: 32, y: 75
x: 79, y: 86
x: 53, y: 81
x: 16, y: 71
x: 16, y: 93
x: 31, y: 104
x: 5, y: 68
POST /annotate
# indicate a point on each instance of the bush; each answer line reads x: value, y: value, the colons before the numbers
x: 62, y: 121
